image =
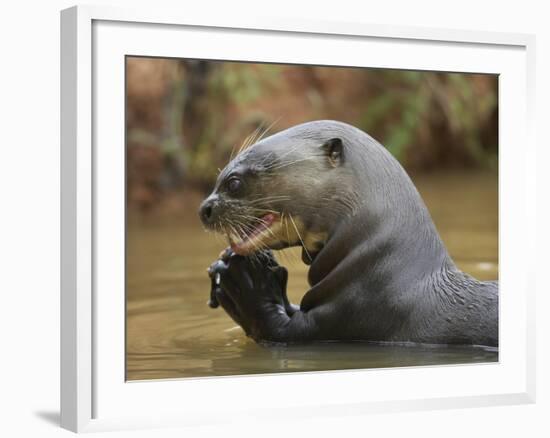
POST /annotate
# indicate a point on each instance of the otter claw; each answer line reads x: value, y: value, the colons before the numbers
x: 215, y: 277
x: 213, y: 301
x: 226, y: 254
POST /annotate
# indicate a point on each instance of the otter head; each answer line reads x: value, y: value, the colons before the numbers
x: 287, y: 190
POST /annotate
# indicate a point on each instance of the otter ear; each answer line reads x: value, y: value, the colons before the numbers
x: 334, y: 150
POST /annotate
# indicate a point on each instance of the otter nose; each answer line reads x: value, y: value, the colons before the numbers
x: 207, y: 211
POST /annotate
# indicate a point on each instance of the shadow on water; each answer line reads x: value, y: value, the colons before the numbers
x: 172, y: 333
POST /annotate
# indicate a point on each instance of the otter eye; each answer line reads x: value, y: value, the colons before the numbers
x: 234, y: 185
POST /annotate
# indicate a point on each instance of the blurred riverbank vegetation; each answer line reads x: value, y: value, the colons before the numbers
x: 184, y: 117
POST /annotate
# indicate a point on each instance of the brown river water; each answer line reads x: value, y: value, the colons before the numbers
x: 172, y: 333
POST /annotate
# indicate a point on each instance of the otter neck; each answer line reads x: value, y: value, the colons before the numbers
x: 382, y: 243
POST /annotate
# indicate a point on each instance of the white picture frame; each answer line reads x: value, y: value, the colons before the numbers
x: 94, y: 394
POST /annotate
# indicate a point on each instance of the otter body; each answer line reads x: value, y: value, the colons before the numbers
x: 378, y: 268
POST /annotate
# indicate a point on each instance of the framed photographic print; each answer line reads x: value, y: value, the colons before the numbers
x: 338, y: 213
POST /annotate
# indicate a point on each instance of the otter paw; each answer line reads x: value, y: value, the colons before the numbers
x: 214, y: 272
x: 249, y: 289
x: 255, y: 279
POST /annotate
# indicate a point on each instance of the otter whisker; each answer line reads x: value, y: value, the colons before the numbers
x: 266, y: 130
x: 234, y: 232
x: 289, y: 256
x: 268, y: 229
x: 291, y: 150
x: 279, y: 159
x: 243, y: 145
x: 289, y: 240
x: 290, y: 163
x: 253, y: 138
x: 246, y: 217
x: 257, y: 248
x: 244, y: 228
x: 264, y: 210
x: 256, y: 206
x: 217, y: 233
x: 269, y: 199
x: 256, y: 134
x: 286, y: 226
x: 256, y: 220
x: 300, y: 237
x: 232, y: 153
x: 252, y: 218
x: 250, y: 139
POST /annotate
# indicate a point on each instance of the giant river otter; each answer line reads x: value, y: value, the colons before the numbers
x: 378, y: 268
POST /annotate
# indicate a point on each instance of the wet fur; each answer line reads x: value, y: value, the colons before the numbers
x: 381, y: 271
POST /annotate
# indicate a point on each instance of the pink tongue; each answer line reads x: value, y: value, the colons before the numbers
x: 267, y: 220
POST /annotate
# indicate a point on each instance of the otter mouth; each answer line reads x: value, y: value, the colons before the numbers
x: 255, y: 236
